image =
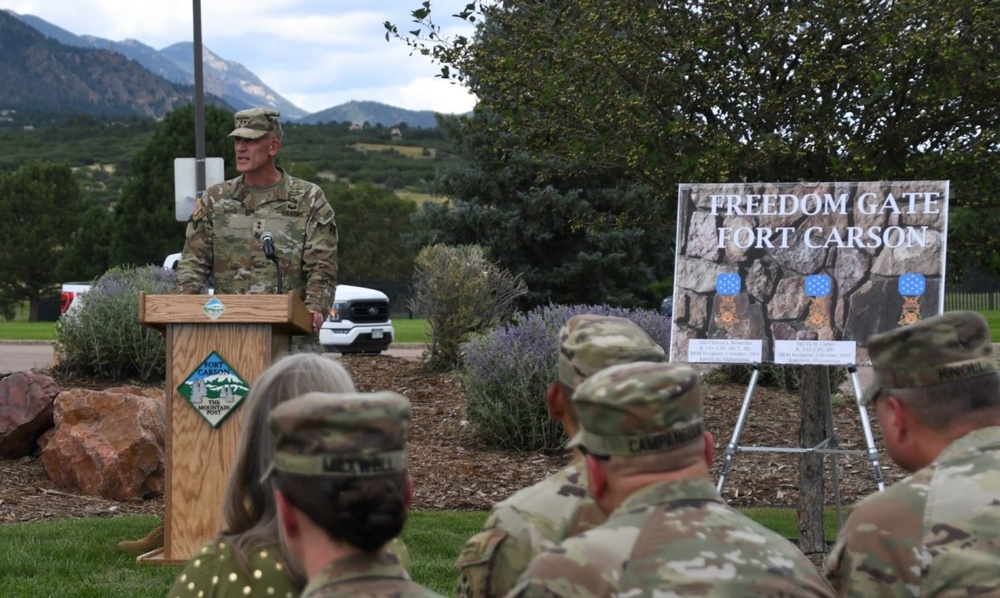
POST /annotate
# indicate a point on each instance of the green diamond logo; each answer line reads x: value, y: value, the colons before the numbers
x: 214, y: 389
x: 214, y: 308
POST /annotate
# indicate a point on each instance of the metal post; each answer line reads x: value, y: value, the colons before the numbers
x: 199, y: 106
x: 866, y: 426
x: 733, y: 445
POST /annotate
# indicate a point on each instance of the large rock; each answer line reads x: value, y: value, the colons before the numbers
x: 108, y: 443
x: 26, y: 407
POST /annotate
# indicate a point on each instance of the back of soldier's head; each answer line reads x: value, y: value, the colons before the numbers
x: 639, y: 410
x: 340, y: 458
x: 588, y: 343
x: 944, y: 367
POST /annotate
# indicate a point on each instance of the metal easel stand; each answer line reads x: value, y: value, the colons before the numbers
x: 827, y: 447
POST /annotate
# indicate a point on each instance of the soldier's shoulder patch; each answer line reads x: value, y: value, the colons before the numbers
x: 479, y: 549
x: 199, y: 209
x: 324, y: 213
x: 475, y: 563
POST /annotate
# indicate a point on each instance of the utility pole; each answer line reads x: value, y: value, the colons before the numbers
x: 199, y: 106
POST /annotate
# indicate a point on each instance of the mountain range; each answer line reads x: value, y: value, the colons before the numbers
x: 45, y: 67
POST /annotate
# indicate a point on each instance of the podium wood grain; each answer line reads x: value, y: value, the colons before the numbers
x: 249, y: 335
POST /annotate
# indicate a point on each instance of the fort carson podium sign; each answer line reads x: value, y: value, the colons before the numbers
x: 804, y: 273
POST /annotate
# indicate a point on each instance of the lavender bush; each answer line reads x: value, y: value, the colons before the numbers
x: 103, y: 337
x: 506, y: 373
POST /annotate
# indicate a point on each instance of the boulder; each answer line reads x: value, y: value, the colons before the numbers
x: 26, y: 406
x: 108, y: 443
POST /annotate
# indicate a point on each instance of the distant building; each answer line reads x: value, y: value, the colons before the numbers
x: 396, y: 134
x: 354, y: 127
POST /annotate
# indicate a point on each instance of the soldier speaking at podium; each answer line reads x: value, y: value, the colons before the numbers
x: 232, y: 221
x: 235, y: 222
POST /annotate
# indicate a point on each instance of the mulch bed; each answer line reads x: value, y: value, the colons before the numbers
x: 452, y: 471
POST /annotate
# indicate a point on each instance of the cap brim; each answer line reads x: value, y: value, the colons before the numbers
x: 245, y: 133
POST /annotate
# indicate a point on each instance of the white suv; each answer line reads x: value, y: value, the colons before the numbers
x: 358, y: 322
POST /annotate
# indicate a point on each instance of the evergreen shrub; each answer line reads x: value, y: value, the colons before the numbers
x: 506, y: 373
x: 102, y: 338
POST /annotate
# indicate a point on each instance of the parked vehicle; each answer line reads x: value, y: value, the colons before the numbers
x: 359, y: 322
x: 71, y: 292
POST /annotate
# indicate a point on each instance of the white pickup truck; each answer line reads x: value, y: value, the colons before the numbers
x: 359, y: 320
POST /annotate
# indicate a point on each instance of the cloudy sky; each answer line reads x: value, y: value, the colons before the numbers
x: 315, y: 53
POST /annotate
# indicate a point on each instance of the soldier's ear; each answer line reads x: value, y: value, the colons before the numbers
x: 555, y: 402
x: 408, y: 498
x: 709, y: 447
x: 597, y: 475
x: 287, y: 516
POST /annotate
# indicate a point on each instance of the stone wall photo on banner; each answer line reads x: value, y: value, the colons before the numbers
x: 804, y: 273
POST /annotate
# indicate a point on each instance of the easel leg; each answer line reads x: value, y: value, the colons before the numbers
x: 866, y: 426
x: 733, y: 445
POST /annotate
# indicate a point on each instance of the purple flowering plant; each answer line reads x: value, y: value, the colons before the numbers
x: 506, y: 373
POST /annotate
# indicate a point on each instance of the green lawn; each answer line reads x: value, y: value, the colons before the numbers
x: 410, y: 330
x: 73, y: 558
x: 27, y: 331
x: 407, y: 331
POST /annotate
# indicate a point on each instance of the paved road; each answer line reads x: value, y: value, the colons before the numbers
x: 18, y: 356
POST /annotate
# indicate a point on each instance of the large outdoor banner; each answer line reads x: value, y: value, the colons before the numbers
x: 804, y: 273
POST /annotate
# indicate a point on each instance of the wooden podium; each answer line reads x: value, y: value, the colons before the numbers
x: 248, y: 332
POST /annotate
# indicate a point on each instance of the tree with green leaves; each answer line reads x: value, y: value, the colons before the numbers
x: 87, y: 253
x: 573, y: 238
x: 40, y: 206
x: 376, y: 233
x: 144, y: 227
x: 718, y: 91
x: 702, y: 91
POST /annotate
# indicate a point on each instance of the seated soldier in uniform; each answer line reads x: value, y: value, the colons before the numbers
x: 557, y: 507
x: 936, y: 532
x: 343, y: 491
x: 668, y: 533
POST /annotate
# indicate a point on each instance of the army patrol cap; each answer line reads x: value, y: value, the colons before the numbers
x: 947, y: 348
x: 254, y: 123
x: 638, y: 408
x: 589, y: 343
x: 340, y: 434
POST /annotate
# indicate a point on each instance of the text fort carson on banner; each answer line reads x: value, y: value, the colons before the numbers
x: 803, y: 273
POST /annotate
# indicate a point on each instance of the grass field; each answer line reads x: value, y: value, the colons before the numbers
x: 408, y: 330
x: 418, y: 153
x: 76, y: 558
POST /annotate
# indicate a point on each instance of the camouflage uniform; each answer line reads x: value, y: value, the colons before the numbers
x: 559, y: 506
x: 671, y: 537
x: 378, y: 574
x: 936, y: 532
x: 347, y: 435
x: 223, y: 234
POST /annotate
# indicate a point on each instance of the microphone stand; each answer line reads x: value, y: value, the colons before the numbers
x: 278, y: 268
x: 267, y: 240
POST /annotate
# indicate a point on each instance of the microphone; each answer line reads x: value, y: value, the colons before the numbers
x: 267, y: 240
